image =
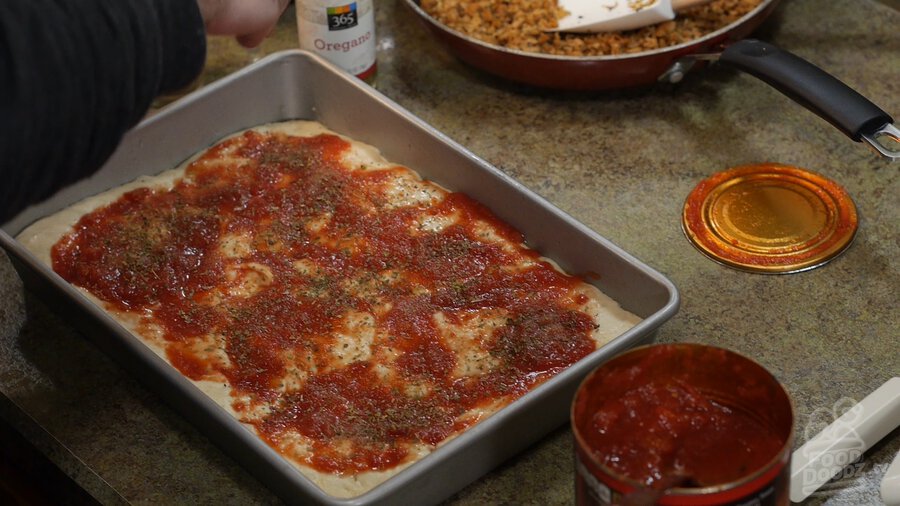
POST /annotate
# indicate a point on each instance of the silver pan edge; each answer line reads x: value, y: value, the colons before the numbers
x: 299, y: 85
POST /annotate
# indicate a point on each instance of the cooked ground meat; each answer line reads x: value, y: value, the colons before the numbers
x: 520, y: 24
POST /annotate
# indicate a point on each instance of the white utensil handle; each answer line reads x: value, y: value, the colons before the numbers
x: 890, y: 484
x: 845, y: 440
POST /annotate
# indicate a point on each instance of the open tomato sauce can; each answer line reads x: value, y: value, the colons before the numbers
x: 682, y: 424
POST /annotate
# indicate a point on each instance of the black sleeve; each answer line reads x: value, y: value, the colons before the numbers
x: 75, y: 75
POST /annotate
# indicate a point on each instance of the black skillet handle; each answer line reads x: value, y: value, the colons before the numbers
x: 807, y: 85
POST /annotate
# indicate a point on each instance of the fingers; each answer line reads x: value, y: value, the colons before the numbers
x: 249, y: 21
x: 209, y: 8
x: 252, y: 40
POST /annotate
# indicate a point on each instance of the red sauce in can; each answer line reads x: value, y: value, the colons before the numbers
x: 694, y: 419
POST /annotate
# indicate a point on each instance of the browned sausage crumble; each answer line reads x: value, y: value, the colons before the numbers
x: 520, y: 24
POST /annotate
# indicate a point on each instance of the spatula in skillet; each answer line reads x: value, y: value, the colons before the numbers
x: 590, y: 16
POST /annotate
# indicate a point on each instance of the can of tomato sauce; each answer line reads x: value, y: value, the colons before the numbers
x: 682, y: 424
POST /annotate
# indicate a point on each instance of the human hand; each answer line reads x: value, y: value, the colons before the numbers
x: 249, y: 21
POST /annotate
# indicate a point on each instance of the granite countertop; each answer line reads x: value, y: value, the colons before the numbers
x: 620, y: 162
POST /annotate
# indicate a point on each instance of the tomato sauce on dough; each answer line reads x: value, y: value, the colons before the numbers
x: 269, y: 263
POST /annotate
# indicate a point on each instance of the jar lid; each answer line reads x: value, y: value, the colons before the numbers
x: 769, y: 218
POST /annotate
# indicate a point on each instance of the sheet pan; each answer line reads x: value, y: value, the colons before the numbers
x: 299, y: 85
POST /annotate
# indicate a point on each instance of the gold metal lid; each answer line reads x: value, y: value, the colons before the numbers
x: 769, y: 218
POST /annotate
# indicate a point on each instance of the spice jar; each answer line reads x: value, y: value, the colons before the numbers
x: 341, y: 31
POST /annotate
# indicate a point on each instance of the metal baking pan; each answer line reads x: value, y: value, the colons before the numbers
x: 300, y: 85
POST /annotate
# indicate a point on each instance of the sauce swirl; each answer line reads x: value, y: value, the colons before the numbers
x: 317, y: 293
x: 684, y: 415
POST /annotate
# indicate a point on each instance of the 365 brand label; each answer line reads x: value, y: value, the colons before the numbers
x: 342, y: 17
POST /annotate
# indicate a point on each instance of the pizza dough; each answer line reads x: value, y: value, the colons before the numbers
x: 350, y: 314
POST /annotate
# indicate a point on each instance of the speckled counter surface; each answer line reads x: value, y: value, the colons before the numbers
x: 622, y: 163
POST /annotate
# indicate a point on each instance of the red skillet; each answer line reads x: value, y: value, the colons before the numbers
x: 818, y: 91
